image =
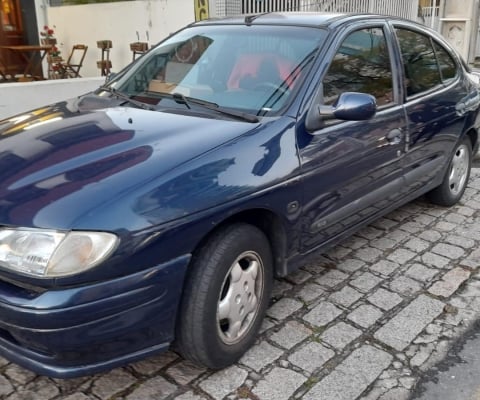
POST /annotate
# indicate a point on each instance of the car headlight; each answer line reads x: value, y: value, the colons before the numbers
x: 48, y: 253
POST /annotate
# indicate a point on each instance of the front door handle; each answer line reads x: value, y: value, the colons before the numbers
x: 394, y: 136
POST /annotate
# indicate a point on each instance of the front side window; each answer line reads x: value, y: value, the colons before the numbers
x: 361, y: 64
x: 419, y: 61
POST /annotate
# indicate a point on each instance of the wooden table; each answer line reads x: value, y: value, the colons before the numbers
x: 30, y: 53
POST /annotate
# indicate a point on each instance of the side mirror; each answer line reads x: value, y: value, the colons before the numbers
x: 350, y: 106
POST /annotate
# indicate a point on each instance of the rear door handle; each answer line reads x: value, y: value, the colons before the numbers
x: 394, y: 136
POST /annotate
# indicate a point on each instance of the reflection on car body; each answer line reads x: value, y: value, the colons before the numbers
x: 469, y: 103
x: 159, y: 208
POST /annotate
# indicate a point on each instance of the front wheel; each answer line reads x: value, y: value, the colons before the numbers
x: 455, y: 181
x: 225, y: 296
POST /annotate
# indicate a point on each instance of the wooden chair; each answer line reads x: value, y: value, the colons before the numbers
x: 71, y: 68
x: 6, y: 74
x: 3, y: 70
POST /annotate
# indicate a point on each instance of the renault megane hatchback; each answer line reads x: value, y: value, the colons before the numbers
x: 158, y: 209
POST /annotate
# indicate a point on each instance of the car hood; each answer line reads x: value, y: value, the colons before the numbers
x: 57, y: 162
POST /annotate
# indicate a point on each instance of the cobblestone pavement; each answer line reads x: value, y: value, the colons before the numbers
x: 363, y: 326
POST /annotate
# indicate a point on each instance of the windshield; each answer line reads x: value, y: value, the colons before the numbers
x: 253, y: 69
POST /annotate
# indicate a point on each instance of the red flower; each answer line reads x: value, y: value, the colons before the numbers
x: 47, y: 32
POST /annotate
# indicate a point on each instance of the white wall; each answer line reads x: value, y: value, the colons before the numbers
x: 16, y: 98
x: 119, y: 23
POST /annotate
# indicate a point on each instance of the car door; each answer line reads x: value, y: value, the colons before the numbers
x: 352, y: 169
x: 433, y: 89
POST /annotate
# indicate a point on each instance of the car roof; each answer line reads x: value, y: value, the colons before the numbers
x: 313, y: 19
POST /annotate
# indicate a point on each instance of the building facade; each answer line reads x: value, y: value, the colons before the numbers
x: 456, y: 20
x: 124, y: 22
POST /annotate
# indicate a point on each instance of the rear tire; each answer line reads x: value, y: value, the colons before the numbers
x: 225, y: 297
x: 451, y: 190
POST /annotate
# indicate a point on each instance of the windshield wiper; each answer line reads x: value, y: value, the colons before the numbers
x: 123, y: 96
x: 181, y: 99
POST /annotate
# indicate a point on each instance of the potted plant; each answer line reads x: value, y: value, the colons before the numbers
x: 54, y: 55
x: 47, y: 36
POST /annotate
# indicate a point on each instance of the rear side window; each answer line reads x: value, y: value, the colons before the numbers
x: 448, y: 68
x: 361, y: 64
x: 426, y: 64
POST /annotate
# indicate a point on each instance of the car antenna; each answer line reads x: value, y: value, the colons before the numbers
x: 250, y: 18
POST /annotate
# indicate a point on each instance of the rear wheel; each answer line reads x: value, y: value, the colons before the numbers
x: 225, y: 297
x: 455, y: 181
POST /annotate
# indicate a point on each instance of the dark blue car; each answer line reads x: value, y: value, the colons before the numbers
x: 158, y: 209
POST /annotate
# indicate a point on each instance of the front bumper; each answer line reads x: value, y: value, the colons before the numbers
x: 77, y: 331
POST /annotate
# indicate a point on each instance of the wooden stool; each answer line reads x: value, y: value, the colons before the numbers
x: 138, y: 48
x: 105, y: 64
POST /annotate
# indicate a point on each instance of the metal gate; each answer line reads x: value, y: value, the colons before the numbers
x: 401, y: 8
x: 429, y: 13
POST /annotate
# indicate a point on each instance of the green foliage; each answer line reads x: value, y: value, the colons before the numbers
x: 80, y: 2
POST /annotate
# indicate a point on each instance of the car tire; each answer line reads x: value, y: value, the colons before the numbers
x: 225, y: 297
x: 451, y: 190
